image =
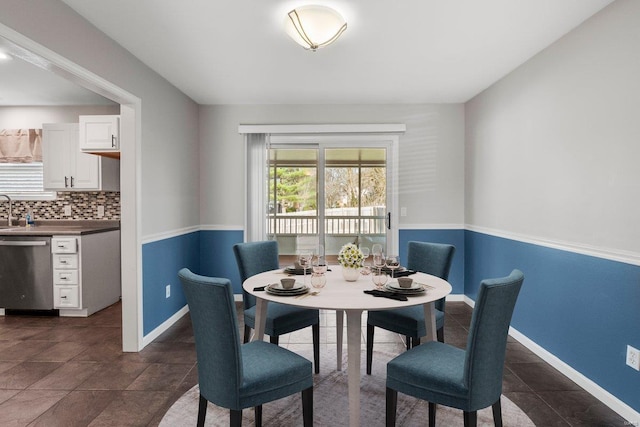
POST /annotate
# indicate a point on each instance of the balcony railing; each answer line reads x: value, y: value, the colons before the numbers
x: 333, y: 225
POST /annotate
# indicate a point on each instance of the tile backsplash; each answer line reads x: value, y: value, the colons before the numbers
x: 84, y: 205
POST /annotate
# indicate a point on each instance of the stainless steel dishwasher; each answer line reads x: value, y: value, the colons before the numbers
x: 26, y: 275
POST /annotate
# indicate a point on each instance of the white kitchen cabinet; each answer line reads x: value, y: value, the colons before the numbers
x: 66, y: 168
x: 66, y: 283
x: 99, y: 133
x: 86, y: 272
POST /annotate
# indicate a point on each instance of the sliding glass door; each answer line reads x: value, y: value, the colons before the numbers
x: 329, y: 194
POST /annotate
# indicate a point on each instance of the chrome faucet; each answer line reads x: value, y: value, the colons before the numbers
x: 10, y: 206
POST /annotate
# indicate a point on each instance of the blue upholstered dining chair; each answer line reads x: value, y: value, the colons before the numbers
x: 257, y: 257
x: 430, y: 258
x: 468, y: 379
x: 234, y: 375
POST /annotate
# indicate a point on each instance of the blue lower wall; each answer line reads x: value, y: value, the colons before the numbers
x: 585, y: 310
x: 161, y: 261
x: 216, y: 255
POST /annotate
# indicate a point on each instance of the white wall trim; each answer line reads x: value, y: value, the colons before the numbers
x: 431, y: 226
x: 151, y: 336
x: 220, y: 227
x: 323, y: 128
x: 169, y: 234
x: 624, y: 410
x: 186, y: 230
x: 606, y: 253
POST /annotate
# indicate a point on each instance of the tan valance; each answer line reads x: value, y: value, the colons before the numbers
x: 20, y: 145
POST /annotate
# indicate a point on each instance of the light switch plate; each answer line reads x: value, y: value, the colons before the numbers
x: 67, y: 210
x: 100, y: 213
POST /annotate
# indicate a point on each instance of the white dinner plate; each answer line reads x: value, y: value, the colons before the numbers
x: 273, y: 289
x: 278, y: 287
x: 415, y: 288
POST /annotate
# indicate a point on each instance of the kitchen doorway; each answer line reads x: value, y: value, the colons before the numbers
x: 130, y: 135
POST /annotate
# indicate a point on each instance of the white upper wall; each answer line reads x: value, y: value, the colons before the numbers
x: 169, y: 119
x: 431, y: 156
x: 552, y: 149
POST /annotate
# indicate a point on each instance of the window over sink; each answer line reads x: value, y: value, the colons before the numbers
x: 21, y: 168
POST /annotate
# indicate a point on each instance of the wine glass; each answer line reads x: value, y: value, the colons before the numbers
x: 304, y: 259
x: 379, y: 278
x: 376, y: 249
x: 378, y: 260
x: 365, y: 254
x: 393, y: 263
x: 319, y: 265
x: 318, y: 281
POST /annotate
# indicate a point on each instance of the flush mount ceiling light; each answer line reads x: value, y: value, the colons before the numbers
x: 313, y: 26
x: 4, y: 56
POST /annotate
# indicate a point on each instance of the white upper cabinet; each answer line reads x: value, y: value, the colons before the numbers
x: 99, y: 133
x: 66, y: 168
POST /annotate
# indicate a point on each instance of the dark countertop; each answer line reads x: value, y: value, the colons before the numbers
x: 60, y: 227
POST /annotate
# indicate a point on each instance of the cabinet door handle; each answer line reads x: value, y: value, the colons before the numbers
x: 71, y: 182
x: 66, y: 184
x: 63, y: 297
x: 113, y: 141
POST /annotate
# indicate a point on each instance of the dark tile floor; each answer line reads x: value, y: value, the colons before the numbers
x: 71, y: 372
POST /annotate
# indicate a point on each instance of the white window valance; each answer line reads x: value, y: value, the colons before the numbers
x: 20, y: 145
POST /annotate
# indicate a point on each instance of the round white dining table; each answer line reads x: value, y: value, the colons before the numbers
x: 343, y: 296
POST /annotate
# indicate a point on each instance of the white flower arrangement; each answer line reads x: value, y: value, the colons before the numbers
x: 350, y: 256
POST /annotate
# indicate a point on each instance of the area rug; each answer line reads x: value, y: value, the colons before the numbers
x: 330, y: 404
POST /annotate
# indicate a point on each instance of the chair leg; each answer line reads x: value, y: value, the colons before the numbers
x: 432, y: 414
x: 307, y: 407
x: 408, y: 338
x: 202, y: 411
x: 235, y: 418
x: 315, y: 330
x: 497, y: 413
x: 392, y: 403
x: 440, y: 334
x: 247, y: 334
x: 258, y: 414
x: 470, y: 419
x: 275, y: 339
x: 370, y: 330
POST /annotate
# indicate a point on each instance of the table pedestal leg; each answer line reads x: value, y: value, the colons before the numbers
x: 430, y: 320
x: 354, y: 342
x: 339, y: 330
x: 261, y: 319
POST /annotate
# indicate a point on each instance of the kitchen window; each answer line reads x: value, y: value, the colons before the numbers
x: 23, y: 181
x: 21, y: 168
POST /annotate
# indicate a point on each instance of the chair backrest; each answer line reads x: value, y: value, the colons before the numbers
x: 487, y: 340
x: 431, y: 258
x: 215, y: 327
x: 254, y: 258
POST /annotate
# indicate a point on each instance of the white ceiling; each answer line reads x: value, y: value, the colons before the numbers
x: 408, y: 51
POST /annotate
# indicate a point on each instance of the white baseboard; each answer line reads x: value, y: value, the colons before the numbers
x: 148, y: 339
x: 624, y: 410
